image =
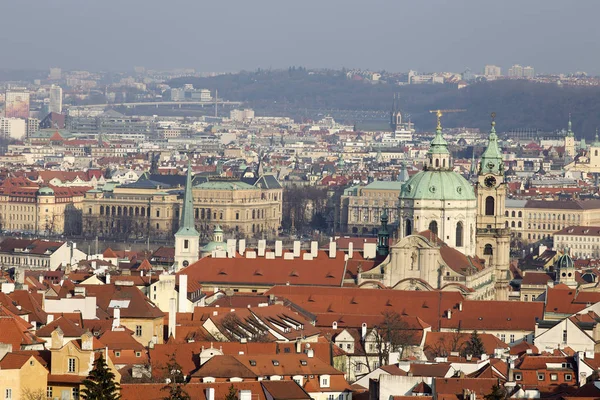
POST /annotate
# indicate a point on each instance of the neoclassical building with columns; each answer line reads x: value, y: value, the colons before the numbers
x: 452, y: 234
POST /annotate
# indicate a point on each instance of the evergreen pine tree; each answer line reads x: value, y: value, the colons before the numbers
x: 498, y: 393
x: 232, y: 395
x: 100, y: 383
x: 176, y: 381
x: 474, y: 346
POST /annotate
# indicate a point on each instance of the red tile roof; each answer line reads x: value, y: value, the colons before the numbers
x: 321, y: 271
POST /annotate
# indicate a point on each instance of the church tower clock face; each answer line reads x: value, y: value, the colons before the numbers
x: 490, y: 181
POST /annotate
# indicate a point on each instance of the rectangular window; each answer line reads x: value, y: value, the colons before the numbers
x: 541, y: 377
x: 117, y: 354
x: 186, y: 244
x: 138, y: 330
x: 71, y: 367
x: 512, y: 338
x: 138, y: 353
x: 357, y: 367
x: 503, y: 337
x: 553, y: 377
x: 565, y: 336
x: 568, y: 377
x: 49, y: 392
x: 8, y: 394
x: 75, y: 392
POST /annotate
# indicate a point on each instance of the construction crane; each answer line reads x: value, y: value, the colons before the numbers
x: 439, y: 114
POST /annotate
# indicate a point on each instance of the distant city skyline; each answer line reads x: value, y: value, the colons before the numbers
x: 551, y: 36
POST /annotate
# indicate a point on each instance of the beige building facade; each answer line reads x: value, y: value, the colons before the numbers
x: 535, y: 220
x: 240, y: 209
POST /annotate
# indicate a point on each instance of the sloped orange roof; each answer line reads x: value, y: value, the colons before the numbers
x: 109, y: 253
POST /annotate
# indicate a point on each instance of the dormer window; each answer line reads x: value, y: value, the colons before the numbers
x: 276, y: 363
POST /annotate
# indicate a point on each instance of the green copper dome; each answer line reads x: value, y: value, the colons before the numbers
x: 565, y: 261
x: 437, y: 185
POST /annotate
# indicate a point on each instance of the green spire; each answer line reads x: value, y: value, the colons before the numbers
x: 186, y: 223
x: 438, y: 144
x: 570, y: 129
x: 596, y: 141
x: 491, y: 159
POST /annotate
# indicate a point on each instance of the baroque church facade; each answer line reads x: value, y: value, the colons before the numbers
x: 452, y: 236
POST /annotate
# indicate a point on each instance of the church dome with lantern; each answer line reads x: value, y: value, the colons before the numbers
x: 440, y: 200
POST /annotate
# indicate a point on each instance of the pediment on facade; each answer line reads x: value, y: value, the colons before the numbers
x: 413, y: 242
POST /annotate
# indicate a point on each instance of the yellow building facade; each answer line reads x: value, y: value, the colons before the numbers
x: 242, y: 210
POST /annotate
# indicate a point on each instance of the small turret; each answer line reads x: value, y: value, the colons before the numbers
x: 383, y: 236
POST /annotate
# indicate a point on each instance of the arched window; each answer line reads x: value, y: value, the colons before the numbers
x: 506, y: 213
x: 101, y: 210
x: 408, y: 227
x: 488, y: 250
x: 519, y: 224
x: 459, y: 234
x: 520, y: 214
x: 433, y: 227
x: 513, y: 214
x: 444, y: 163
x: 512, y: 224
x: 489, y: 205
x: 437, y: 162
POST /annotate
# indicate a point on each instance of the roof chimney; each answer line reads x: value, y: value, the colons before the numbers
x: 449, y: 314
x: 278, y: 248
x: 350, y: 249
x: 183, y: 291
x: 314, y: 248
x: 172, y: 316
x: 332, y: 249
x: 262, y: 245
x: 296, y: 248
x: 210, y: 393
x: 242, y: 250
x: 107, y: 277
x: 116, y: 318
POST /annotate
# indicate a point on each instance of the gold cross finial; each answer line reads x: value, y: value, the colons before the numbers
x: 493, y: 118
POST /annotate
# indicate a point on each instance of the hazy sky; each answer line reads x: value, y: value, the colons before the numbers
x: 229, y: 35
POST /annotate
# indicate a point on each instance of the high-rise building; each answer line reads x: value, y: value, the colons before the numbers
x: 55, y: 104
x: 33, y: 125
x: 13, y: 128
x: 55, y: 74
x: 492, y: 70
x: 17, y: 104
x: 516, y: 71
x: 528, y: 72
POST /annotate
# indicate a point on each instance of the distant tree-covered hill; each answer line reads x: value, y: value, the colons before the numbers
x: 517, y: 104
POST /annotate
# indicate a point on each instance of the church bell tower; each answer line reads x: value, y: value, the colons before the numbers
x: 493, y: 235
x: 187, y: 238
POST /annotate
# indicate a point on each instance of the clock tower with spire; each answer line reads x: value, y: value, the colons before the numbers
x: 493, y: 236
x: 187, y: 238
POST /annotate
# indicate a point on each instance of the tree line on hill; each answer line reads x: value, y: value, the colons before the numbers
x: 518, y: 104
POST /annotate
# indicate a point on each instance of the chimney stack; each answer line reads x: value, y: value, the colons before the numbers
x: 332, y: 249
x: 182, y: 295
x: 350, y: 249
x: 116, y: 318
x: 314, y: 248
x: 262, y: 245
x: 296, y: 248
x: 278, y: 248
x: 172, y: 316
x: 242, y: 250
